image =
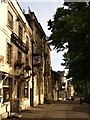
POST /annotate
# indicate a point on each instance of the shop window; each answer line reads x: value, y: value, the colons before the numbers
x: 8, y: 53
x: 6, y: 94
x: 10, y: 20
x: 2, y: 76
x: 6, y: 82
x: 1, y: 93
x: 25, y: 90
x: 6, y: 90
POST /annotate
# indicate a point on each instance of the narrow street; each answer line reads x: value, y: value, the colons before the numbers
x: 58, y: 110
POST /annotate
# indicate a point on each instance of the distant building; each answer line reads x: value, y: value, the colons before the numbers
x: 59, y: 85
x: 56, y: 85
x: 63, y: 85
x: 47, y: 72
x: 70, y: 90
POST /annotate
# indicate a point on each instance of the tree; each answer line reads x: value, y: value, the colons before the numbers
x: 70, y: 29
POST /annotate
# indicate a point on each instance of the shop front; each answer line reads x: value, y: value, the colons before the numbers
x: 5, y: 89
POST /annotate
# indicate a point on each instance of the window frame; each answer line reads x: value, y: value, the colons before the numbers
x: 6, y: 90
x: 19, y: 56
x: 10, y: 20
x: 20, y: 32
x: 25, y: 89
x: 9, y: 53
x: 27, y: 60
x: 27, y: 41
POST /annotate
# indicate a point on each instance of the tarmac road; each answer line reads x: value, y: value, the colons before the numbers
x: 61, y: 110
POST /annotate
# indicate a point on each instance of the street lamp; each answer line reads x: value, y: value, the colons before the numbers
x: 32, y: 91
x: 45, y: 86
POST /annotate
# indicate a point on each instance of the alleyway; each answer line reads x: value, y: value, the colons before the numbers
x: 60, y: 109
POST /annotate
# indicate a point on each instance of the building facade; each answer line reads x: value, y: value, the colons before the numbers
x: 23, y: 66
x: 15, y: 58
x: 59, y: 85
x: 39, y: 38
x: 63, y: 85
x: 47, y: 71
x: 55, y: 85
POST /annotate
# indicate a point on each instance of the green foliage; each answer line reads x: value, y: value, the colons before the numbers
x: 72, y: 25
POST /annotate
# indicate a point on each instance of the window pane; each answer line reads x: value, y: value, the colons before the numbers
x: 8, y: 53
x: 6, y: 94
x: 27, y: 41
x: 6, y: 82
x: 20, y: 32
x: 10, y: 20
x: 1, y: 91
x: 25, y: 90
x: 19, y: 56
x: 27, y: 60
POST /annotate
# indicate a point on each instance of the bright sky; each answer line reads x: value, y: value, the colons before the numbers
x: 45, y: 11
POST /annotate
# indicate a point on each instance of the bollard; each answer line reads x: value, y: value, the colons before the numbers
x: 81, y: 101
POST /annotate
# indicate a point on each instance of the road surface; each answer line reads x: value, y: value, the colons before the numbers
x: 59, y: 109
x: 66, y: 110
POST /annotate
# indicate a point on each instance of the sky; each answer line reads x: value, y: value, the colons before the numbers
x: 44, y: 10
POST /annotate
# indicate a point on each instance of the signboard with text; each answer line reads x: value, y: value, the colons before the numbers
x: 15, y: 105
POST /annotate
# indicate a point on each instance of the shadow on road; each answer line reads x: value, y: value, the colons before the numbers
x: 75, y: 106
x: 82, y: 108
x: 48, y: 119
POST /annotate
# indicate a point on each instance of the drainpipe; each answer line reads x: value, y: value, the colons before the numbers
x: 32, y: 77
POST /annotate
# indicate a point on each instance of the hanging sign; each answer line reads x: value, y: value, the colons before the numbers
x: 36, y: 59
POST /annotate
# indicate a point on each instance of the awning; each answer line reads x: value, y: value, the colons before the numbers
x: 3, y: 75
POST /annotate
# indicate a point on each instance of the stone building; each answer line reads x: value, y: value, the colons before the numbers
x: 47, y: 71
x: 38, y: 42
x: 55, y: 84
x: 15, y: 58
x: 41, y: 50
x: 59, y: 85
x: 63, y: 85
x: 24, y: 59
